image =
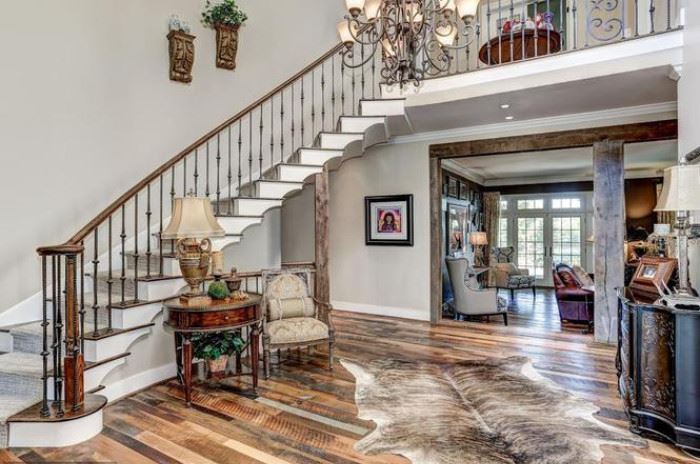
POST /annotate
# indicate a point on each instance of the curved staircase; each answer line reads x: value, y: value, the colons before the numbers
x: 102, y: 290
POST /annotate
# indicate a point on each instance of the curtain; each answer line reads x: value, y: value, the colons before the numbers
x: 492, y: 213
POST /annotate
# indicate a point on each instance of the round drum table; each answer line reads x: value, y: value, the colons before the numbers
x: 186, y: 319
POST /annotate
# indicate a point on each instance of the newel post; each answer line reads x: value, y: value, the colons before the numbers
x: 60, y: 296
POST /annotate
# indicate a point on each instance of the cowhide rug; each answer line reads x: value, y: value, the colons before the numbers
x: 489, y: 411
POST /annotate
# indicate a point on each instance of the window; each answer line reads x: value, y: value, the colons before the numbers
x: 531, y: 245
x: 503, y: 232
x: 535, y: 203
x: 504, y: 205
x: 566, y: 203
x: 566, y: 240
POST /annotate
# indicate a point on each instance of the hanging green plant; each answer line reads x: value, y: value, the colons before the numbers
x: 226, y: 12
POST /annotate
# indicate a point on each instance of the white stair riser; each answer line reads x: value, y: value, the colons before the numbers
x: 160, y: 289
x: 275, y: 189
x: 53, y: 434
x: 221, y: 243
x: 359, y: 124
x: 236, y: 225
x: 317, y: 157
x: 93, y: 377
x: 99, y: 350
x: 253, y: 206
x: 291, y: 173
x: 382, y: 107
x: 338, y: 141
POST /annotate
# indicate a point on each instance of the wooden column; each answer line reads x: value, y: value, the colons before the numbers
x: 436, y: 251
x: 609, y: 233
x: 321, y: 195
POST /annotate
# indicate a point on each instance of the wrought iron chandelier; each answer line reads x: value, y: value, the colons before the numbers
x: 416, y: 37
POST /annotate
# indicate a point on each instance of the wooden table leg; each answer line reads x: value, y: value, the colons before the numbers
x: 187, y: 368
x: 254, y: 353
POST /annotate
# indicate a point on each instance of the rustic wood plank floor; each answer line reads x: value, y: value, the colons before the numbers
x: 306, y: 414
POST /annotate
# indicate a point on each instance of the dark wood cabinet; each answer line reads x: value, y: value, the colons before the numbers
x: 658, y: 366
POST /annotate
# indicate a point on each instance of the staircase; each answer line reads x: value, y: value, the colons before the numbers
x: 102, y: 290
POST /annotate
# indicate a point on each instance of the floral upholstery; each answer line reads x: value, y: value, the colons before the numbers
x: 509, y: 276
x: 296, y: 330
x: 286, y: 286
x: 502, y: 305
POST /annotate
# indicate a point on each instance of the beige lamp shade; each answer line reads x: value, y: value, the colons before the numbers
x: 681, y: 190
x: 347, y: 31
x: 193, y: 218
x: 467, y: 8
x: 373, y: 9
x: 478, y: 238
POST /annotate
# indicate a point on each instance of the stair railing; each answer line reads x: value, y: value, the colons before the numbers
x: 107, y: 262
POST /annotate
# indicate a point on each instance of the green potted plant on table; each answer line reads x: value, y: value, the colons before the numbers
x: 215, y: 348
x: 226, y: 18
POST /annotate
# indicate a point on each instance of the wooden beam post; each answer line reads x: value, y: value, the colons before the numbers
x: 609, y: 232
x: 321, y: 196
x: 436, y: 250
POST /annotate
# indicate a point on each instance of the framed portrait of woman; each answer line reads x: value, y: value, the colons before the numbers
x: 389, y: 220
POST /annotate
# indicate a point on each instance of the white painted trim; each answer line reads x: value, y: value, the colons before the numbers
x: 25, y: 311
x: 98, y: 350
x: 54, y: 434
x: 555, y: 178
x: 390, y: 311
x: 129, y: 385
x: 615, y: 116
x: 456, y: 168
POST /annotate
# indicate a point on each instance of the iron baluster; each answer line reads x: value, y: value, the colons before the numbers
x: 250, y: 154
x: 323, y: 97
x: 196, y: 172
x: 240, y: 152
x: 55, y: 310
x: 652, y: 10
x: 136, y: 247
x: 45, y: 412
x: 333, y: 120
x: 206, y: 172
x: 95, y: 263
x: 362, y: 68
x: 313, y: 102
x: 110, y: 274
x: 260, y: 143
x: 353, y: 81
x: 172, y: 202
x: 668, y: 15
x: 488, y: 32
x: 292, y: 119
x: 498, y: 31
x: 229, y: 176
x: 282, y: 125
x: 342, y: 87
x: 301, y: 144
x: 160, y: 228
x: 184, y: 174
x: 574, y: 10
x: 218, y: 173
x: 636, y: 18
x: 82, y: 295
x: 272, y: 132
x: 122, y: 236
x: 58, y: 324
x: 512, y: 45
x: 148, y: 230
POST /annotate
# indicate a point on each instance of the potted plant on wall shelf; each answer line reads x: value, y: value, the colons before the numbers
x: 215, y: 348
x: 226, y: 18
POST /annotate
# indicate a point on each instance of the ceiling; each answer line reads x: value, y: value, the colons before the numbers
x: 641, y: 160
x: 642, y: 87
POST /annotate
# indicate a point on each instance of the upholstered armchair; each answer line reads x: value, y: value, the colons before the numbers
x: 507, y: 275
x: 470, y: 301
x: 293, y: 318
x: 574, y: 299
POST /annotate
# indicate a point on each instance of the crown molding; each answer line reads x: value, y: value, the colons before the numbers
x: 610, y: 117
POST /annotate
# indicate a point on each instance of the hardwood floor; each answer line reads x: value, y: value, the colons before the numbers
x: 306, y: 414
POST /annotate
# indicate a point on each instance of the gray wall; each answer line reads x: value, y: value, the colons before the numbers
x: 376, y: 279
x: 259, y: 248
x: 298, y: 234
x: 88, y: 110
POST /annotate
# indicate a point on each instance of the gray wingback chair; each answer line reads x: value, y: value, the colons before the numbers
x: 293, y: 318
x: 470, y: 301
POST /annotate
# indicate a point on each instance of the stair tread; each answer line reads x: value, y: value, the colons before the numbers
x: 18, y: 363
x: 301, y: 165
x: 12, y: 404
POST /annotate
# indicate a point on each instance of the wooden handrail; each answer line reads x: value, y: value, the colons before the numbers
x: 114, y: 206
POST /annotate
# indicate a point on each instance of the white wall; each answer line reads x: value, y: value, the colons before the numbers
x: 392, y: 281
x: 260, y: 247
x: 88, y: 110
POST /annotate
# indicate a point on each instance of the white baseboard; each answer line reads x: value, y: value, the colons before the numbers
x: 390, y: 311
x: 129, y: 385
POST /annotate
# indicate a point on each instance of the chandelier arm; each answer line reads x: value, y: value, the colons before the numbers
x: 361, y: 29
x: 349, y: 54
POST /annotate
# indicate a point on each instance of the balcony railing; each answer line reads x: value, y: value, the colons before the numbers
x: 507, y: 31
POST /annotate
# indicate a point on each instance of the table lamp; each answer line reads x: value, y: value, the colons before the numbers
x: 193, y: 224
x: 681, y: 193
x: 479, y: 240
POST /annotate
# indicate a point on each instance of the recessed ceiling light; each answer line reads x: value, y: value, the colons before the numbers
x: 510, y: 118
x: 505, y: 106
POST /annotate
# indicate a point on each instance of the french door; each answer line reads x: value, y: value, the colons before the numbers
x: 547, y: 238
